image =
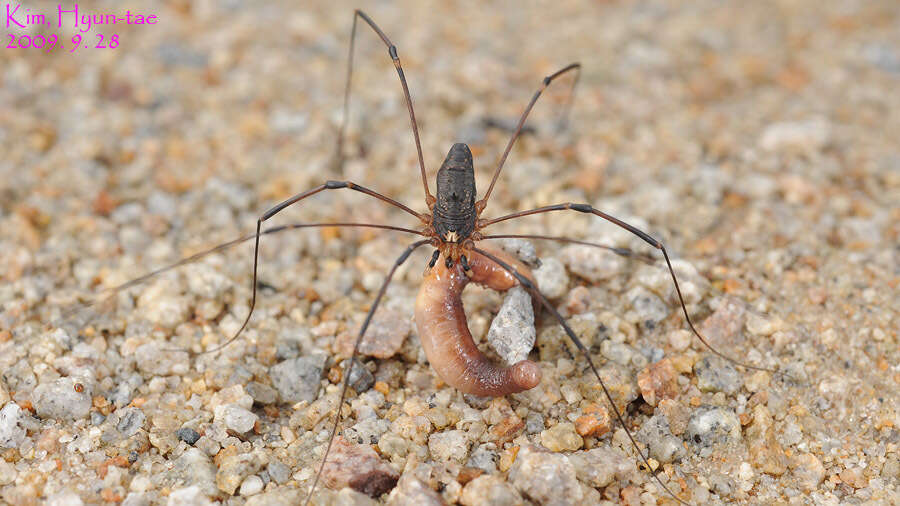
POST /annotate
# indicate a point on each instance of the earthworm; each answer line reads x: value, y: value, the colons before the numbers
x: 444, y: 331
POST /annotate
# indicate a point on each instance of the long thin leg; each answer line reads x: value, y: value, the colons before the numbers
x: 528, y: 285
x: 392, y: 52
x: 111, y: 292
x: 329, y: 185
x: 481, y: 204
x: 586, y: 208
x: 624, y: 252
x: 362, y: 331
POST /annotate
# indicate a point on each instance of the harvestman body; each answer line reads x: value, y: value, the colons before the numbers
x: 453, y: 227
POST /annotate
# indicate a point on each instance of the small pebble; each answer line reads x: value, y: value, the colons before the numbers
x: 188, y: 435
x: 235, y: 417
x: 153, y: 359
x: 361, y: 379
x: 61, y: 400
x: 804, y: 136
x: 534, y: 423
x: 252, y: 485
x: 450, y: 445
x: 384, y: 336
x: 130, y: 421
x: 261, y: 393
x: 522, y: 249
x: 561, y: 437
x: 648, y: 307
x: 65, y: 498
x: 664, y: 446
x: 484, y: 458
x: 193, y: 467
x: 658, y: 381
x: 491, y: 490
x: 598, y: 467
x: 7, y: 473
x: 279, y: 472
x: 12, y: 428
x: 512, y: 333
x: 358, y: 467
x: 593, y: 264
x: 544, y: 477
x: 710, y: 426
x: 298, y: 379
x: 188, y: 496
x: 715, y: 374
x: 367, y: 431
x: 412, y: 492
x: 808, y: 470
x: 680, y: 339
x: 234, y: 469
x: 552, y: 278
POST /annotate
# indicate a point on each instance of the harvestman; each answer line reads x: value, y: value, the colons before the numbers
x: 453, y: 226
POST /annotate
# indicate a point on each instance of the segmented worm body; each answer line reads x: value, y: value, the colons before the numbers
x: 444, y: 331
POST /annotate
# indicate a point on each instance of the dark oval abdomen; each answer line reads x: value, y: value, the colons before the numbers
x: 454, y: 211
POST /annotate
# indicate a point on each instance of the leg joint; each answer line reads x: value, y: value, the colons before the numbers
x: 581, y: 208
x: 333, y: 185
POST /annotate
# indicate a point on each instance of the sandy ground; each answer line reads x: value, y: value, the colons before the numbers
x: 757, y: 140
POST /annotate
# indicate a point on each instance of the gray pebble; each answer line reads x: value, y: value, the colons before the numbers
x: 188, y: 435
x: 151, y: 358
x: 367, y: 431
x: 12, y: 429
x: 298, y: 379
x: 360, y: 377
x: 484, y: 457
x: 593, y: 264
x: 619, y: 353
x: 236, y: 418
x: 279, y: 472
x: 598, y: 467
x: 522, y: 249
x: 534, y: 423
x: 512, y: 332
x: 552, y: 278
x: 649, y: 307
x: 544, y: 477
x: 715, y: 374
x: 97, y: 418
x: 59, y: 399
x: 195, y: 468
x: 721, y: 484
x: 657, y: 435
x: 262, y: 394
x: 711, y: 426
x: 130, y: 421
x: 450, y: 445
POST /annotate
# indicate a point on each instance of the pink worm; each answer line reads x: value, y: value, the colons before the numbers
x: 445, y: 335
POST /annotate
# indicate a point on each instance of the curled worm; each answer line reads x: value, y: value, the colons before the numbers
x: 445, y: 334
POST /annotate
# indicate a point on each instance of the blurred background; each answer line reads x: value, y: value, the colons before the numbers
x: 757, y: 140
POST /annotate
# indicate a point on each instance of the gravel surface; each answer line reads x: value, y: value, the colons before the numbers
x: 757, y: 140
